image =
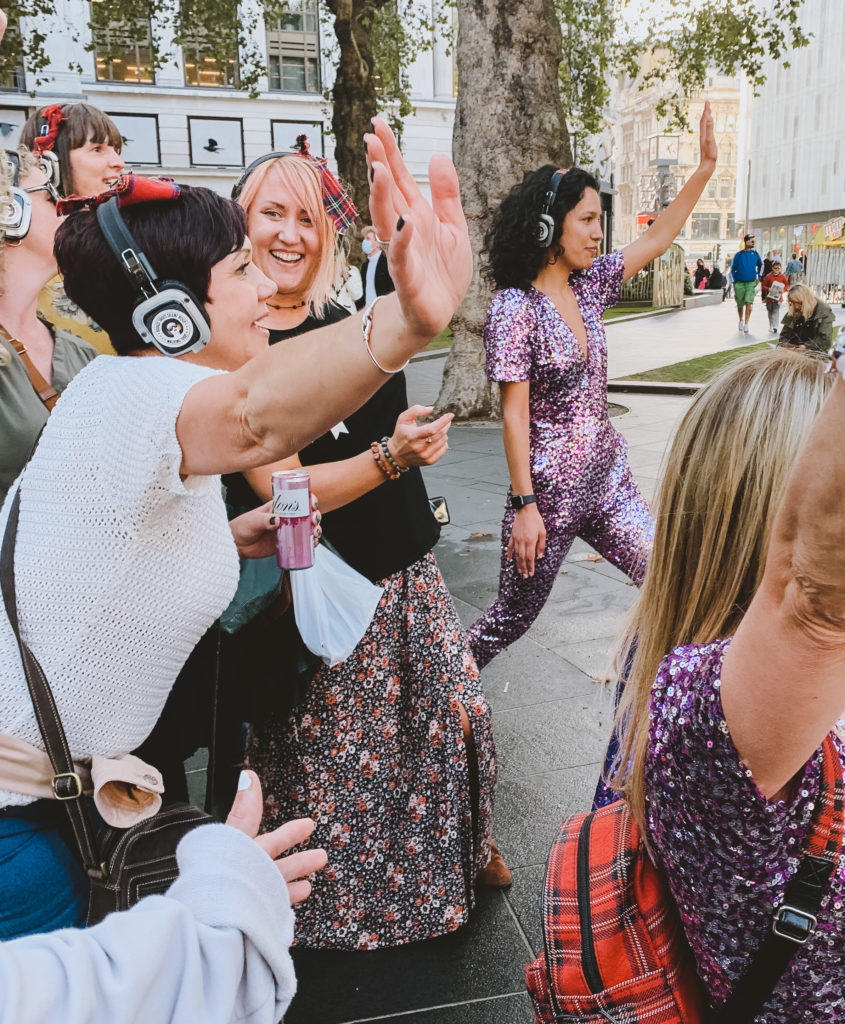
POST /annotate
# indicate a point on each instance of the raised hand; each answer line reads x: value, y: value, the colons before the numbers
x: 246, y: 815
x: 707, y: 139
x: 429, y: 255
x: 423, y: 445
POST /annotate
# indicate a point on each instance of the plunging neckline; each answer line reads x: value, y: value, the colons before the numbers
x: 585, y: 355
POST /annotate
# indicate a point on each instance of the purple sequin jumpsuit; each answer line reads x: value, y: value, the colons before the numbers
x: 579, y: 465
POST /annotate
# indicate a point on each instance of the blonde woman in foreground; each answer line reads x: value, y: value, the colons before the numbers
x: 720, y: 752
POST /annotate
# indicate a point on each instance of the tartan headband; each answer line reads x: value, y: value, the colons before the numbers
x: 336, y: 201
x: 129, y: 190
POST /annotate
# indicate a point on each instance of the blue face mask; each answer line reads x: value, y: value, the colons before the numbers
x: 367, y: 247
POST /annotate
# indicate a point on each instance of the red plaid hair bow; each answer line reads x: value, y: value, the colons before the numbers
x: 337, y: 203
x: 53, y: 117
x: 129, y: 189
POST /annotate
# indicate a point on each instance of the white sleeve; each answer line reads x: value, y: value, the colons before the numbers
x: 213, y: 950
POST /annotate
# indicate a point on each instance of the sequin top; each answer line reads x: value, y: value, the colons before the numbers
x: 526, y: 339
x: 727, y: 851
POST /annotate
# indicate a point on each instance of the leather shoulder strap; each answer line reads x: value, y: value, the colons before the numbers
x: 45, y: 391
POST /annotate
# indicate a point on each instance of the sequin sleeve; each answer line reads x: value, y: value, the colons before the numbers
x: 726, y: 849
x: 509, y: 334
x: 604, y: 278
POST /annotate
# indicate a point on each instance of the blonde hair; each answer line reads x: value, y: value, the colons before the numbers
x: 302, y: 181
x: 724, y: 478
x: 806, y: 297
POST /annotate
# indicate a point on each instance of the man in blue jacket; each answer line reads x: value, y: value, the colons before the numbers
x: 745, y: 269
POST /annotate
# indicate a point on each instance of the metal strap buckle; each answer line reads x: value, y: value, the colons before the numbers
x: 66, y: 786
x: 793, y: 924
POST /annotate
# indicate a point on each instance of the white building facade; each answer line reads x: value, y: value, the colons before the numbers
x: 792, y: 178
x: 188, y: 120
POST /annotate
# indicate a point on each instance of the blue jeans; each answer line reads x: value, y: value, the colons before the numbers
x: 42, y: 884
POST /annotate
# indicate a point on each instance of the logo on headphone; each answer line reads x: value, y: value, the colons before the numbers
x: 171, y: 325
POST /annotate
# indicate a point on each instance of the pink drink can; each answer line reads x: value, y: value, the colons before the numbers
x: 292, y: 504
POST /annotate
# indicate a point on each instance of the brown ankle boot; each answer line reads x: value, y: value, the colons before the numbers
x: 496, y: 874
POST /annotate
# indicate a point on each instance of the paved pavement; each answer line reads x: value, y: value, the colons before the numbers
x: 551, y: 721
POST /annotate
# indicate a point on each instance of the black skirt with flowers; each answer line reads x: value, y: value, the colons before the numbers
x: 376, y: 755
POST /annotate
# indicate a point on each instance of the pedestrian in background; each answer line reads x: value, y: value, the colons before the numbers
x: 745, y: 268
x: 794, y: 269
x: 809, y: 323
x: 701, y: 275
x: 728, y: 286
x: 374, y: 273
x: 716, y: 280
x: 773, y: 287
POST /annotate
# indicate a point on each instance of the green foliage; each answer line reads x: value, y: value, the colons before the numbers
x: 25, y: 49
x: 689, y: 42
x: 588, y: 28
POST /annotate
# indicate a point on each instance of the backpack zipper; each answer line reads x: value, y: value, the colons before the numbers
x: 588, y: 948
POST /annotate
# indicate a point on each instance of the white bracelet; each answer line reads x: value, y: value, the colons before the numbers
x: 367, y: 330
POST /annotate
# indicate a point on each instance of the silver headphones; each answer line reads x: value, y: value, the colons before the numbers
x: 545, y: 230
x: 16, y: 214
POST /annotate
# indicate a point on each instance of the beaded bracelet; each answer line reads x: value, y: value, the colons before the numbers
x: 375, y: 448
x: 367, y: 330
x: 394, y: 465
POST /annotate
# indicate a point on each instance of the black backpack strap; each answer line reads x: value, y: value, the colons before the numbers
x: 66, y: 784
x: 794, y: 921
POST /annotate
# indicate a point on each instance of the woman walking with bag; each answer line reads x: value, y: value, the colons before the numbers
x: 145, y: 559
x: 546, y: 347
x: 390, y: 752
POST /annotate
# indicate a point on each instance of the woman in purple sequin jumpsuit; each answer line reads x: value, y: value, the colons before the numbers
x: 546, y: 347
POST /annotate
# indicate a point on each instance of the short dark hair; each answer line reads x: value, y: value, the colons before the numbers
x: 182, y: 238
x: 515, y: 257
x: 82, y: 122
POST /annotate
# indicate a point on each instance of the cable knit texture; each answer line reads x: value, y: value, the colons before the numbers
x: 121, y: 566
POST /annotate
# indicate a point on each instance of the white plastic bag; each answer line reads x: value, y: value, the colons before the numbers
x: 333, y: 605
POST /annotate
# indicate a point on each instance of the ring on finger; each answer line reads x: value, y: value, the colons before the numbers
x: 382, y: 244
x: 429, y: 440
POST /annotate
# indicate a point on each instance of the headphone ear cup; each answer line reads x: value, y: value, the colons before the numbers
x: 16, y: 215
x: 173, y: 320
x: 545, y: 230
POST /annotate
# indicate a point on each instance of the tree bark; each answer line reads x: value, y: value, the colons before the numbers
x: 354, y: 93
x: 508, y: 120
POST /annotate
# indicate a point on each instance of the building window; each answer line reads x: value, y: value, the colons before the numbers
x: 12, y: 77
x: 726, y: 188
x: 705, y: 225
x: 293, y: 49
x: 711, y: 189
x: 730, y: 226
x: 122, y: 53
x: 203, y: 65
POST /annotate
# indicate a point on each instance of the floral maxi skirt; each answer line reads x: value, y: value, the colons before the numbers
x: 376, y: 755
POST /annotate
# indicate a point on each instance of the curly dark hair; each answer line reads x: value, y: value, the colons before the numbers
x: 514, y: 255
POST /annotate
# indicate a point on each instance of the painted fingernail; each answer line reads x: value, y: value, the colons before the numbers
x: 372, y: 174
x: 272, y: 520
x: 365, y: 147
x: 400, y: 223
x: 244, y: 781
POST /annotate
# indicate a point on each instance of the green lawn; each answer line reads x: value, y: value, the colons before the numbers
x: 443, y: 340
x: 696, y: 371
x: 615, y: 311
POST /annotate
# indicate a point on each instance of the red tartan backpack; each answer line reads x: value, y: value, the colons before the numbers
x: 615, y: 949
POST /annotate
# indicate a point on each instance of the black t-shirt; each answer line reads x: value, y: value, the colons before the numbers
x: 390, y: 527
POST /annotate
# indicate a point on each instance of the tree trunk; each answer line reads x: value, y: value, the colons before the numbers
x: 508, y: 120
x: 354, y: 93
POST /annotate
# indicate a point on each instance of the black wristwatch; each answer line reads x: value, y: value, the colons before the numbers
x: 521, y: 500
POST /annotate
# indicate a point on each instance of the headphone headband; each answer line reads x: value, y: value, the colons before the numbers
x: 134, y: 264
x: 238, y: 187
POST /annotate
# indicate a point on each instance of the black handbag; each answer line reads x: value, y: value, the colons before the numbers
x: 123, y: 865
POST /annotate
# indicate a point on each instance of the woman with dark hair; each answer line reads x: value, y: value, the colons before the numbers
x: 82, y: 141
x: 546, y: 347
x: 113, y: 599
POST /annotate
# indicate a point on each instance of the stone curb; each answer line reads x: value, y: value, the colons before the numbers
x: 652, y: 387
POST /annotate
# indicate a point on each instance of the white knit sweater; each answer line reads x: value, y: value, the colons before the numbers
x: 121, y: 566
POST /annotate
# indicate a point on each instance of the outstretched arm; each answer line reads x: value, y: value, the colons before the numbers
x: 666, y: 228
x: 279, y: 401
x: 783, y: 679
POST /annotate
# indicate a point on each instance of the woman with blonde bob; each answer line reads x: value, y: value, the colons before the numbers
x: 736, y: 670
x: 391, y: 752
x: 808, y: 325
